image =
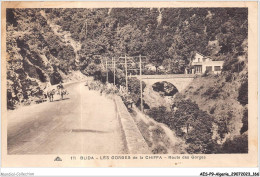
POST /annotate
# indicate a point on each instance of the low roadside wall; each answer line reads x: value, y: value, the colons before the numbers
x: 134, y: 140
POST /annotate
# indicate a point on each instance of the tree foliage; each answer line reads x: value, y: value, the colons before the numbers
x: 189, y: 122
x: 238, y: 144
x: 243, y: 93
x: 167, y: 33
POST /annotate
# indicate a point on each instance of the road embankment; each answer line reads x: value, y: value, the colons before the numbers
x: 134, y: 140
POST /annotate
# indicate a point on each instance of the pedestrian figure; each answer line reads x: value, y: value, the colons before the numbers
x: 101, y: 89
x: 87, y: 85
x: 64, y: 92
x: 50, y: 94
x: 60, y: 90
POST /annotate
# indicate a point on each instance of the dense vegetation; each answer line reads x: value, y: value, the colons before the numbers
x: 191, y: 123
x: 39, y: 38
x: 166, y: 36
x: 45, y: 45
x: 227, y: 103
x: 35, y: 55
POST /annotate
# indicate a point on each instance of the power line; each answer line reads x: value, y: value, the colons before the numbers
x: 112, y: 65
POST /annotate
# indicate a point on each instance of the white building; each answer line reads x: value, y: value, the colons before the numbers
x: 201, y: 64
x: 150, y: 67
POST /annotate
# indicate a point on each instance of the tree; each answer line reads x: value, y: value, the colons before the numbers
x: 244, y: 121
x: 130, y: 40
x: 134, y: 89
x: 160, y: 114
x: 238, y: 144
x: 156, y: 50
x: 243, y: 93
x: 198, y: 126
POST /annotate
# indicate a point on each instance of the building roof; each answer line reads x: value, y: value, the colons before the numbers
x: 200, y: 54
x: 204, y: 56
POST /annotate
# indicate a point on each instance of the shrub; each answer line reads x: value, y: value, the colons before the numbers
x: 243, y: 93
x: 223, y: 121
x: 195, y: 126
x: 134, y: 89
x: 189, y: 122
x: 212, y: 109
x: 239, y: 144
x: 160, y: 114
x: 159, y: 149
x: 55, y: 78
x: 244, y: 121
x: 228, y: 77
x: 212, y: 92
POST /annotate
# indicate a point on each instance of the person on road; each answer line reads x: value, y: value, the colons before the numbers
x: 49, y: 92
x: 101, y: 89
x: 60, y: 88
x: 87, y: 85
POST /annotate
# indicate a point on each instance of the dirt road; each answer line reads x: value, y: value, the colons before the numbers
x: 83, y: 123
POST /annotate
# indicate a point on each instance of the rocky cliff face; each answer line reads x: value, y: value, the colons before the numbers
x: 37, y: 53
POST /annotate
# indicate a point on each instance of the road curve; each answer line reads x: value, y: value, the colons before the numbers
x: 83, y: 123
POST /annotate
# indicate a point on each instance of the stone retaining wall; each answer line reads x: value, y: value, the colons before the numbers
x: 134, y: 140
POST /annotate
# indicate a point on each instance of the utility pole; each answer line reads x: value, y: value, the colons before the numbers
x: 106, y: 70
x: 114, y: 70
x: 141, y: 85
x: 126, y: 82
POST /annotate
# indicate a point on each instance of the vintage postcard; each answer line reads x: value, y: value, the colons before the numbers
x: 129, y: 84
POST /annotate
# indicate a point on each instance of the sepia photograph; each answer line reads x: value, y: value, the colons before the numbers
x: 127, y: 80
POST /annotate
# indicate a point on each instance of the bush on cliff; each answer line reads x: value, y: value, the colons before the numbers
x: 134, y: 89
x: 243, y: 93
x: 55, y: 78
x: 238, y: 144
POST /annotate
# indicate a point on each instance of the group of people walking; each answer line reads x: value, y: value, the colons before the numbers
x: 50, y: 91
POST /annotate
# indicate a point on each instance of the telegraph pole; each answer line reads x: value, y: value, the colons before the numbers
x: 114, y: 70
x: 141, y: 85
x: 106, y: 70
x: 126, y: 82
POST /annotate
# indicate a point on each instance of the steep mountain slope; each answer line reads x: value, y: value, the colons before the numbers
x: 221, y: 100
x: 51, y: 45
x: 64, y: 36
x: 224, y: 96
x: 46, y: 45
x: 36, y: 54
